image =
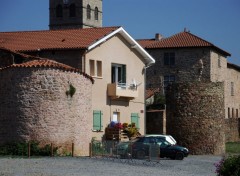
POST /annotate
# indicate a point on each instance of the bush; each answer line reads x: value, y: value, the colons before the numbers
x: 229, y: 166
x: 21, y: 149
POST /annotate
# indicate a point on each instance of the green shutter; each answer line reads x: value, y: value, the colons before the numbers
x: 135, y: 119
x: 97, y: 120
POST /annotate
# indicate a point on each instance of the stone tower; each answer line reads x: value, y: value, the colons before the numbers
x: 70, y: 14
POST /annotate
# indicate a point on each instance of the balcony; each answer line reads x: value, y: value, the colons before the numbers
x: 122, y: 90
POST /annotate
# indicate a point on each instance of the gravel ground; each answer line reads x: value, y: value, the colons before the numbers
x: 84, y: 166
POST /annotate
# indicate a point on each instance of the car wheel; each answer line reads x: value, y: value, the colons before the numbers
x: 140, y: 154
x: 179, y: 156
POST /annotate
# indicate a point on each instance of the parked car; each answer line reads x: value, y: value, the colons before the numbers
x: 123, y: 149
x: 139, y: 148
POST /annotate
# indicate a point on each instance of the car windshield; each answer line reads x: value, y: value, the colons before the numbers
x: 164, y: 143
x: 169, y: 138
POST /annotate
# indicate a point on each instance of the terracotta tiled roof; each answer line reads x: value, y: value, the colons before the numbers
x: 146, y: 42
x: 233, y: 66
x: 53, y: 39
x: 26, y: 56
x: 37, y: 62
x: 183, y: 40
x: 151, y: 92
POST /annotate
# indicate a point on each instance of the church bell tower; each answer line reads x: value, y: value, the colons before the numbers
x: 72, y: 14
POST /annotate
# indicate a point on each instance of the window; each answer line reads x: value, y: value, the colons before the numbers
x: 236, y: 113
x: 229, y: 113
x: 233, y: 115
x: 232, y: 88
x: 96, y: 13
x: 116, y: 117
x: 92, y: 67
x: 72, y: 10
x: 168, y: 79
x: 135, y: 119
x: 88, y: 11
x: 59, y: 11
x: 154, y: 72
x: 99, y: 68
x: 118, y: 73
x: 65, y: 2
x: 219, y: 61
x: 97, y: 120
x: 169, y: 58
x: 95, y: 69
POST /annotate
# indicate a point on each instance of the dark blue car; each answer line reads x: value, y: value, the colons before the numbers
x: 144, y: 146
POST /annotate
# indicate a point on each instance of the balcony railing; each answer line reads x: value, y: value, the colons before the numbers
x: 122, y: 90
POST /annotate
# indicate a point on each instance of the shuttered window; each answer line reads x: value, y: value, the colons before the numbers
x: 135, y: 119
x: 97, y: 120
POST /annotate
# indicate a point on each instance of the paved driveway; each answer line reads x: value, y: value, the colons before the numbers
x: 64, y: 166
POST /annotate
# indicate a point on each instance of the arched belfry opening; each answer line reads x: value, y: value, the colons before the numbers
x: 72, y: 14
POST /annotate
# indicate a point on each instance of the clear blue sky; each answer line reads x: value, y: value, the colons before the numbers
x: 217, y: 21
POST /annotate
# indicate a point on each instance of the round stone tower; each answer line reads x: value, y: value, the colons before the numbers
x: 48, y: 102
x: 195, y: 116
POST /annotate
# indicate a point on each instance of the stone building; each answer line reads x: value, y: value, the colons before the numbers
x: 205, y: 90
x: 72, y: 14
x: 185, y: 57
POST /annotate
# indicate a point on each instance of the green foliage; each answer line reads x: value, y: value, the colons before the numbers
x: 233, y: 147
x: 159, y: 102
x: 21, y: 149
x: 71, y: 90
x: 159, y: 99
x: 15, y: 148
x: 66, y: 153
x: 131, y: 130
x: 98, y: 148
x: 229, y: 166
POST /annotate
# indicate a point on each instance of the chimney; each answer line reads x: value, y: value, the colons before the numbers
x: 158, y: 37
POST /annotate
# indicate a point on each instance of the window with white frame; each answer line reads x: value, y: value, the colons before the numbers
x: 119, y: 73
